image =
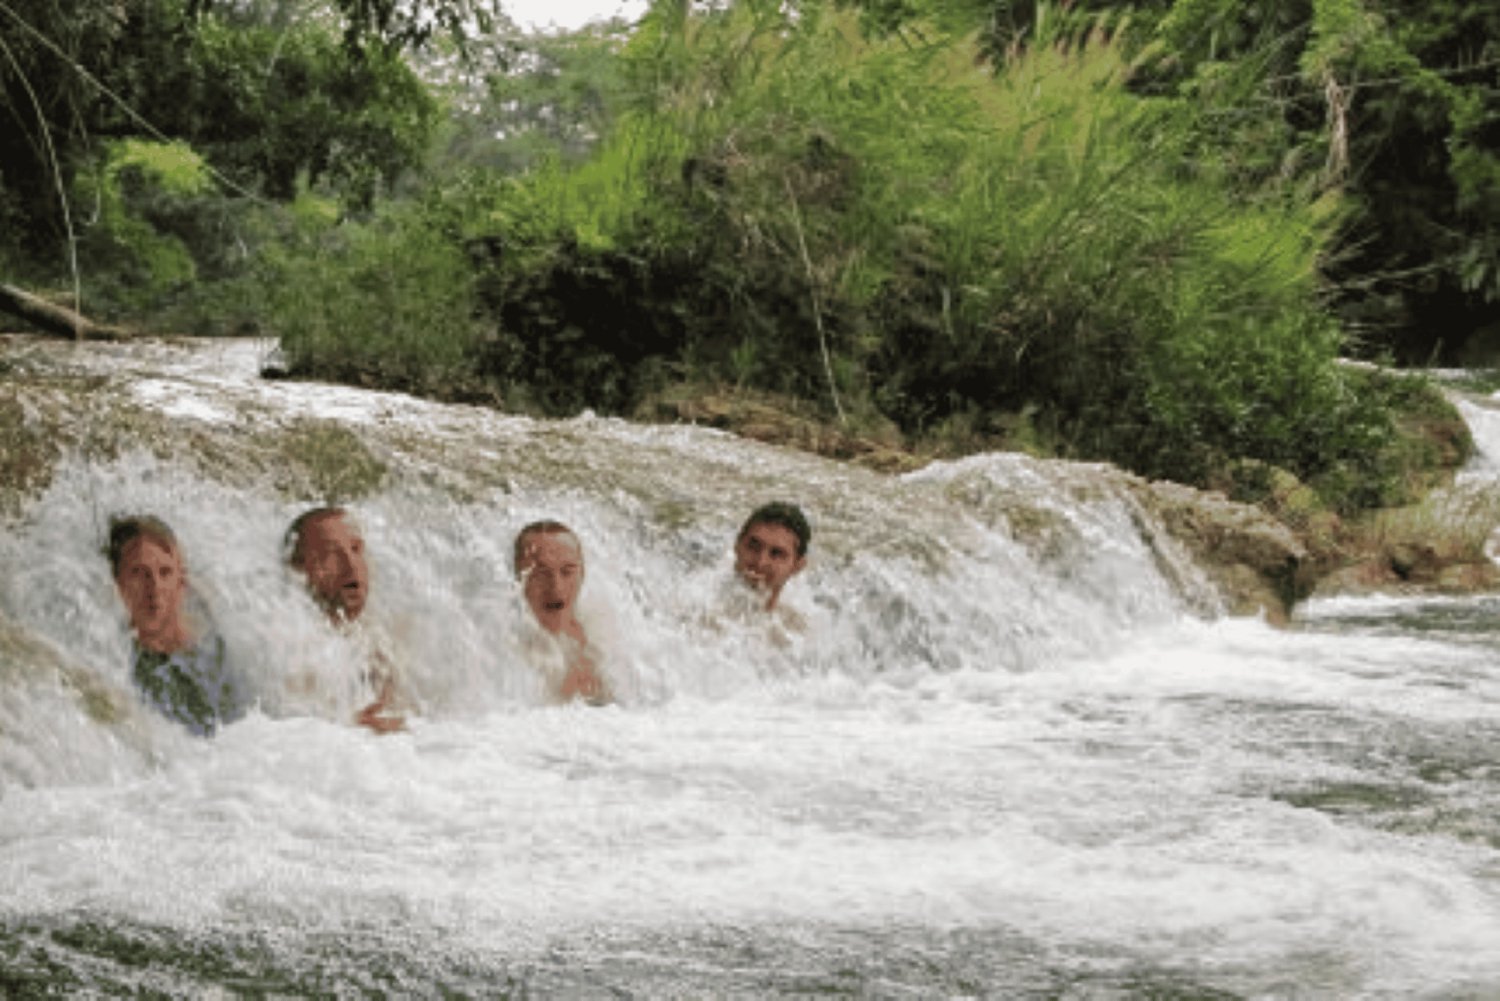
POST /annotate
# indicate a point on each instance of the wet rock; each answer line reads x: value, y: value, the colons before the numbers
x: 1254, y: 560
x: 1255, y: 563
x: 778, y: 423
x: 1466, y: 578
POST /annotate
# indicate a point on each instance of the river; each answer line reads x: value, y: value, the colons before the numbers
x: 1018, y: 755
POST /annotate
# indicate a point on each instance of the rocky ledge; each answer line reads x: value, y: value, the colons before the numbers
x: 1262, y: 558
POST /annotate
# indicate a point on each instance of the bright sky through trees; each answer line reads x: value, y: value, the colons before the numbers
x: 569, y: 14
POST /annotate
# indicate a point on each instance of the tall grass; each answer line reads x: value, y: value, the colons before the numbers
x: 887, y: 225
x: 968, y: 245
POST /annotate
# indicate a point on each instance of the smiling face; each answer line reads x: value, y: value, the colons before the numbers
x: 550, y: 565
x: 152, y: 583
x: 766, y: 557
x: 331, y: 553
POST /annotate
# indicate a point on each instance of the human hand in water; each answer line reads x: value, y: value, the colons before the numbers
x: 581, y: 682
x: 377, y: 715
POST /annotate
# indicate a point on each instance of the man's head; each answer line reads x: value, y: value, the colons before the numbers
x: 326, y: 546
x: 147, y: 566
x: 549, y: 563
x: 772, y: 547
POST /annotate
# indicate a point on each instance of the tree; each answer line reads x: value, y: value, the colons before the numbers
x: 46, y: 91
x: 394, y: 25
x: 535, y: 97
x: 1419, y: 267
x: 1394, y: 102
x: 270, y: 90
x: 271, y: 105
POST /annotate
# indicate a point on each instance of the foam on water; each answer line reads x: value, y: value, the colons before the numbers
x: 1008, y: 760
x: 1141, y: 804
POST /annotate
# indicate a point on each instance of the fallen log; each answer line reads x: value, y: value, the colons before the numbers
x: 54, y: 319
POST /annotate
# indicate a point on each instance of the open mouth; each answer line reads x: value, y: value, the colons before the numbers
x: 350, y: 597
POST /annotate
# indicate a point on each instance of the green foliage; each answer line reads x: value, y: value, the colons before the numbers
x: 138, y: 263
x: 1430, y: 442
x: 175, y: 167
x: 1044, y: 243
x: 272, y: 105
x: 41, y: 99
x: 534, y: 98
x: 1143, y: 312
x: 1393, y: 101
x: 266, y: 97
x: 1396, y: 101
x: 383, y: 24
x: 1097, y: 237
x: 576, y: 283
x: 388, y: 301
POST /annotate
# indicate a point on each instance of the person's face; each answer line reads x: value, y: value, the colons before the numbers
x: 552, y: 573
x: 765, y: 557
x: 333, y: 559
x: 151, y: 583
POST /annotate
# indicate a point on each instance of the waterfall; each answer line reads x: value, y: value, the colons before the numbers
x: 1482, y: 415
x: 1016, y: 752
x: 989, y: 564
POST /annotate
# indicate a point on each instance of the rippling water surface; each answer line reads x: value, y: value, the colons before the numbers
x: 1012, y: 759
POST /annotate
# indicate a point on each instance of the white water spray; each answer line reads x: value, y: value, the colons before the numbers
x: 1008, y: 759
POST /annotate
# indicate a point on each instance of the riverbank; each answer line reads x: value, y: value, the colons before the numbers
x: 1266, y: 537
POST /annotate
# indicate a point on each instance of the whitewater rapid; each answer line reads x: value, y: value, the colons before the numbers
x: 998, y: 767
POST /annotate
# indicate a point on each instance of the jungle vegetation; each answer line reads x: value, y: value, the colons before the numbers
x: 1144, y: 233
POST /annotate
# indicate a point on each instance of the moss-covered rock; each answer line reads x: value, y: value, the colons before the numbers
x: 27, y: 452
x: 1256, y: 561
x: 329, y: 462
x: 783, y: 421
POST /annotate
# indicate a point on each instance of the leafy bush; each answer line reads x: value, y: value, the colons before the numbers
x: 885, y: 227
x: 132, y: 262
x: 386, y: 302
x: 1393, y: 100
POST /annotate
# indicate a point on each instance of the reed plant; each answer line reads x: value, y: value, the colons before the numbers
x: 1456, y: 525
x: 885, y: 225
x: 889, y: 226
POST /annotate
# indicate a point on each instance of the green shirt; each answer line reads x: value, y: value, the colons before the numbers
x: 191, y: 686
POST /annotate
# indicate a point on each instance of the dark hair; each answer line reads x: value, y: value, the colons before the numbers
x: 291, y: 543
x: 786, y: 515
x: 539, y: 528
x: 125, y: 529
